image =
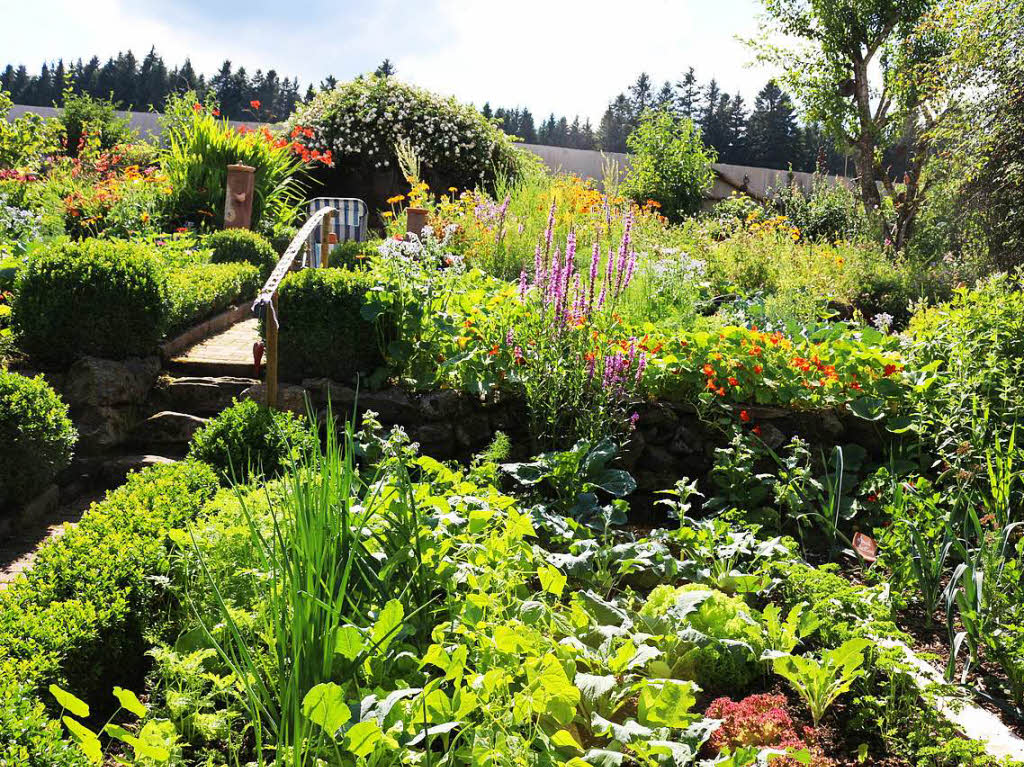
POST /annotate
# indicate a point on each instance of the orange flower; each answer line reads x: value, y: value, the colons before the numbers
x: 708, y: 370
x: 255, y: 104
x: 744, y: 416
x: 758, y: 369
x: 889, y: 370
x: 733, y: 381
x: 757, y: 430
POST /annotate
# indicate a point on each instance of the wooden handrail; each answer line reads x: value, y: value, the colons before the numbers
x: 267, y: 297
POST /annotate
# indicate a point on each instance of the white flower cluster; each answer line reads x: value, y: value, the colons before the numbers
x: 362, y: 120
x: 882, y: 321
x: 18, y: 227
x: 667, y: 275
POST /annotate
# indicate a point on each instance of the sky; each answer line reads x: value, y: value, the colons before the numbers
x: 563, y: 56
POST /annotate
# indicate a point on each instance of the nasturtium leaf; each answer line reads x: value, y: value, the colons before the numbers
x: 551, y: 692
x: 325, y: 705
x: 129, y: 701
x: 69, y: 702
x: 666, y: 703
x: 362, y: 737
x: 387, y: 625
x: 868, y: 408
x: 87, y: 739
x: 551, y: 580
x: 349, y: 642
x: 436, y: 656
x: 565, y: 739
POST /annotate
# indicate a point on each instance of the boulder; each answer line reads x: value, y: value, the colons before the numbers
x: 167, y: 428
x: 114, y: 471
x: 103, y: 427
x: 93, y: 382
x: 289, y: 396
x: 202, y: 395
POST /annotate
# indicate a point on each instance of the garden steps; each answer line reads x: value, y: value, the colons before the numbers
x: 227, y: 353
x: 973, y: 721
x: 199, y: 395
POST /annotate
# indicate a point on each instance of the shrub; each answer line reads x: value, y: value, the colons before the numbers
x: 361, y: 121
x: 77, y: 617
x: 28, y: 737
x: 350, y: 255
x: 100, y: 298
x: 322, y: 330
x: 828, y: 213
x: 25, y: 141
x: 36, y: 437
x: 199, y: 147
x: 86, y: 119
x: 670, y: 164
x: 197, y: 292
x: 242, y: 246
x: 249, y: 439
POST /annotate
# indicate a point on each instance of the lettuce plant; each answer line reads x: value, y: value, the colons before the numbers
x: 820, y: 682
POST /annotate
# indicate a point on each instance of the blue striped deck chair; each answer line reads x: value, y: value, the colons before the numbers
x: 349, y: 224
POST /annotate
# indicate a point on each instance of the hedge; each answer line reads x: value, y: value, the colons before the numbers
x: 36, y: 437
x: 78, y: 616
x: 197, y: 292
x: 234, y: 246
x: 96, y: 297
x: 248, y: 440
x: 322, y: 332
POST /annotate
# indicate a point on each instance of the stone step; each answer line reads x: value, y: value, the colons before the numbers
x: 166, y: 428
x: 209, y: 368
x: 113, y: 471
x: 199, y: 395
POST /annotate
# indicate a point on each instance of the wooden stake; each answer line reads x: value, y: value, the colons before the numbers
x: 271, y: 382
x: 326, y: 235
x: 241, y: 184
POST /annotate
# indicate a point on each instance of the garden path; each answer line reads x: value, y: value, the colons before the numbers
x: 228, y: 353
x: 19, y: 551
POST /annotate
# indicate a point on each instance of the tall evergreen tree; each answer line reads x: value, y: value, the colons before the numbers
x: 772, y: 135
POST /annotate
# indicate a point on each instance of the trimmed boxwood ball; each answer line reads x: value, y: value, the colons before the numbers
x: 36, y: 437
x: 323, y: 332
x: 101, y: 298
x: 242, y: 246
x: 248, y: 440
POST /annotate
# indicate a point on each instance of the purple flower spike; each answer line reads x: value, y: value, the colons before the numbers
x: 522, y: 285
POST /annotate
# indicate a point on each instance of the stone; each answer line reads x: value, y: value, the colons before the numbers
x: 289, y: 396
x: 201, y: 395
x: 391, y: 405
x: 167, y: 428
x: 320, y: 388
x: 92, y: 381
x: 772, y: 436
x: 441, y: 404
x: 435, y: 438
x: 473, y: 431
x: 684, y: 441
x: 103, y: 427
x: 114, y: 471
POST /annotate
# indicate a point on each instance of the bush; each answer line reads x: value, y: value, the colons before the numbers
x: 360, y: 122
x: 249, y: 439
x: 242, y: 246
x: 199, y: 147
x: 89, y: 120
x: 829, y: 213
x: 36, y: 437
x: 100, y: 298
x: 27, y: 140
x: 670, y: 165
x: 350, y: 255
x: 28, y: 737
x: 322, y: 330
x: 78, y: 616
x: 199, y: 291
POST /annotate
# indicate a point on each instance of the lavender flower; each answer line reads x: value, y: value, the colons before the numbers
x: 522, y: 285
x: 632, y: 420
x: 509, y: 337
x: 595, y: 264
x: 549, y: 233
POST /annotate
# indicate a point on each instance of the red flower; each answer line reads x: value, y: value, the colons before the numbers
x: 195, y: 107
x: 744, y: 416
x: 758, y: 369
x: 889, y: 370
x: 216, y: 112
x: 255, y: 104
x: 733, y: 381
x: 708, y: 370
x: 757, y: 430
x: 872, y: 498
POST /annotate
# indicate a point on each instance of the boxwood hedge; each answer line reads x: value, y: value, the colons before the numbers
x: 36, y: 437
x: 96, y: 297
x: 199, y: 291
x: 322, y: 332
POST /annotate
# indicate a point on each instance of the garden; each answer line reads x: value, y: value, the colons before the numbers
x: 572, y: 472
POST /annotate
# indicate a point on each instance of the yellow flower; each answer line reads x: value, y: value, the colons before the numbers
x: 387, y: 214
x: 396, y: 198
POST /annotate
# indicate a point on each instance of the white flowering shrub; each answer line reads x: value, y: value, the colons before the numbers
x: 360, y: 122
x: 18, y: 227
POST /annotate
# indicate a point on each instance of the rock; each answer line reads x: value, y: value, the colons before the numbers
x: 114, y: 471
x: 440, y: 404
x: 658, y: 460
x: 473, y: 431
x: 167, y: 428
x: 319, y: 389
x: 202, y: 395
x: 392, y: 405
x: 289, y: 396
x: 92, y: 381
x: 437, y: 439
x: 772, y: 436
x: 103, y: 427
x: 657, y: 414
x: 684, y: 442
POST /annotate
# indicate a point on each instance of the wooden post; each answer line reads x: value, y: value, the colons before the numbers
x: 271, y: 327
x: 326, y: 235
x: 241, y: 184
x: 415, y: 220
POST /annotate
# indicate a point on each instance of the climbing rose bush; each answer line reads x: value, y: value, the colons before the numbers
x: 360, y: 122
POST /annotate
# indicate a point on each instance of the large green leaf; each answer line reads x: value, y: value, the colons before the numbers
x: 325, y: 705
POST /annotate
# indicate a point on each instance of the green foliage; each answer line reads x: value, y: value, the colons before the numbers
x: 350, y: 255
x: 249, y: 440
x: 87, y: 119
x: 27, y: 140
x: 830, y: 212
x: 36, y: 437
x: 820, y: 682
x: 30, y: 737
x: 323, y: 332
x: 360, y: 122
x: 242, y: 246
x: 77, y: 617
x: 199, y: 291
x: 199, y: 148
x: 670, y: 165
x: 100, y: 298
